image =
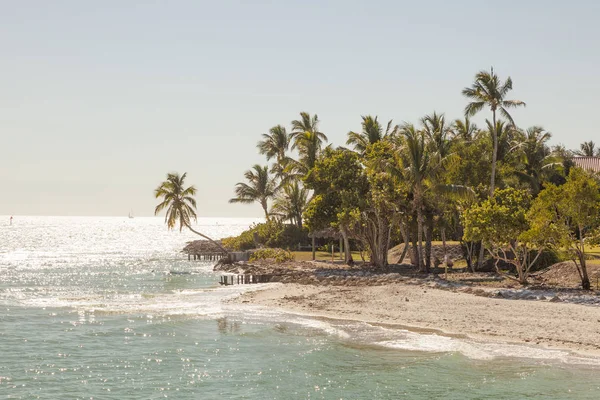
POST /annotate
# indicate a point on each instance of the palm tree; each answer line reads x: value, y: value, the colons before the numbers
x: 437, y: 133
x: 588, y: 149
x: 275, y: 144
x: 180, y: 204
x: 488, y: 90
x: 372, y: 132
x: 291, y: 203
x: 260, y: 188
x: 308, y: 140
x: 464, y: 129
x: 536, y: 157
x: 416, y: 162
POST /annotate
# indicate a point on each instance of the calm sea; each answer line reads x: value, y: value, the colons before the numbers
x: 108, y: 308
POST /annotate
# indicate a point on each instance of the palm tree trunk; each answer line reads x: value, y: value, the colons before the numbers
x: 207, y: 238
x: 265, y: 208
x: 422, y: 265
x: 428, y: 239
x: 494, y: 155
x: 585, y: 280
x: 406, y: 237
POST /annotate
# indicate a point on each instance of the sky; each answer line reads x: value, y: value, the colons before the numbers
x: 100, y: 100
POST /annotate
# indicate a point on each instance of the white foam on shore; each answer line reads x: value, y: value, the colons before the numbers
x: 403, y: 339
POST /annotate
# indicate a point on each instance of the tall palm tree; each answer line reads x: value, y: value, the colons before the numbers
x: 588, y: 149
x: 488, y: 90
x: 179, y: 203
x: 415, y: 158
x: 275, y: 144
x: 372, y: 132
x: 291, y: 202
x: 260, y: 188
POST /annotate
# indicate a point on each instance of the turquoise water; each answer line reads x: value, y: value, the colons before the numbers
x: 91, y: 308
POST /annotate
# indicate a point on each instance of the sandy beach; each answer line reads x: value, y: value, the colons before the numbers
x: 554, y: 325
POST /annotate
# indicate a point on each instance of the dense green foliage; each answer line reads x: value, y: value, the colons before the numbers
x: 270, y: 234
x: 501, y: 190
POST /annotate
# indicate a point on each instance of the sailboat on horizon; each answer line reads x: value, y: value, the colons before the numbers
x: 130, y: 214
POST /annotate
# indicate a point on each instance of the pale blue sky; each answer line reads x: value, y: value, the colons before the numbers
x: 99, y: 100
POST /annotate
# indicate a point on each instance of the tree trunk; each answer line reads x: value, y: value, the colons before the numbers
x: 428, y: 239
x: 313, y: 247
x: 415, y: 245
x: 443, y: 232
x: 585, y: 280
x: 406, y: 237
x: 207, y: 238
x: 347, y: 252
x: 494, y: 155
x: 480, y: 257
x: 265, y: 208
x: 422, y: 266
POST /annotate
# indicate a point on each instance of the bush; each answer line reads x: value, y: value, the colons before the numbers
x: 268, y: 234
x: 547, y: 259
x: 277, y: 255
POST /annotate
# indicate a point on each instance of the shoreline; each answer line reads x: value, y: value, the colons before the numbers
x: 421, y: 309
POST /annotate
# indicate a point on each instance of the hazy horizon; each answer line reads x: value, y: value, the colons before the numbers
x: 100, y: 101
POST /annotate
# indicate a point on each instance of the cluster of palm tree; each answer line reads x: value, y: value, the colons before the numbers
x: 281, y: 182
x: 438, y: 167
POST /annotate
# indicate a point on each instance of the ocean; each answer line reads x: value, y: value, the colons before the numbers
x: 109, y: 308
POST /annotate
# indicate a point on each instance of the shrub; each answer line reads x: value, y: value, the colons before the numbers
x: 268, y: 234
x: 277, y: 255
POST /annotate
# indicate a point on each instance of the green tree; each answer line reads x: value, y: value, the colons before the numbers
x: 275, y: 145
x: 372, y: 132
x: 180, y: 204
x: 588, y: 149
x: 415, y: 159
x: 291, y: 202
x: 464, y: 129
x: 574, y: 210
x: 308, y: 141
x: 260, y: 188
x: 340, y: 190
x: 488, y: 90
x: 536, y: 157
x: 501, y: 222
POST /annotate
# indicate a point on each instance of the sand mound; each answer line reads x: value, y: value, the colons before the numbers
x: 564, y: 274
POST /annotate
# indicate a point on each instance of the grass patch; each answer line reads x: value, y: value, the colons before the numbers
x: 322, y: 255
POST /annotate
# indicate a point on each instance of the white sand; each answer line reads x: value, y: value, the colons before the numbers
x: 552, y: 325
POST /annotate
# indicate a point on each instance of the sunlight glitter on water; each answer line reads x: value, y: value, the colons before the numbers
x: 89, y: 308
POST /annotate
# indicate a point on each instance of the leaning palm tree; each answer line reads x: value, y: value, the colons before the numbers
x: 179, y: 203
x: 372, y: 132
x: 488, y: 90
x: 291, y: 202
x: 275, y: 145
x: 588, y: 149
x: 260, y: 188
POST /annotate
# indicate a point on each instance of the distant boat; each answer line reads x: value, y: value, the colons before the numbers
x: 130, y: 214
